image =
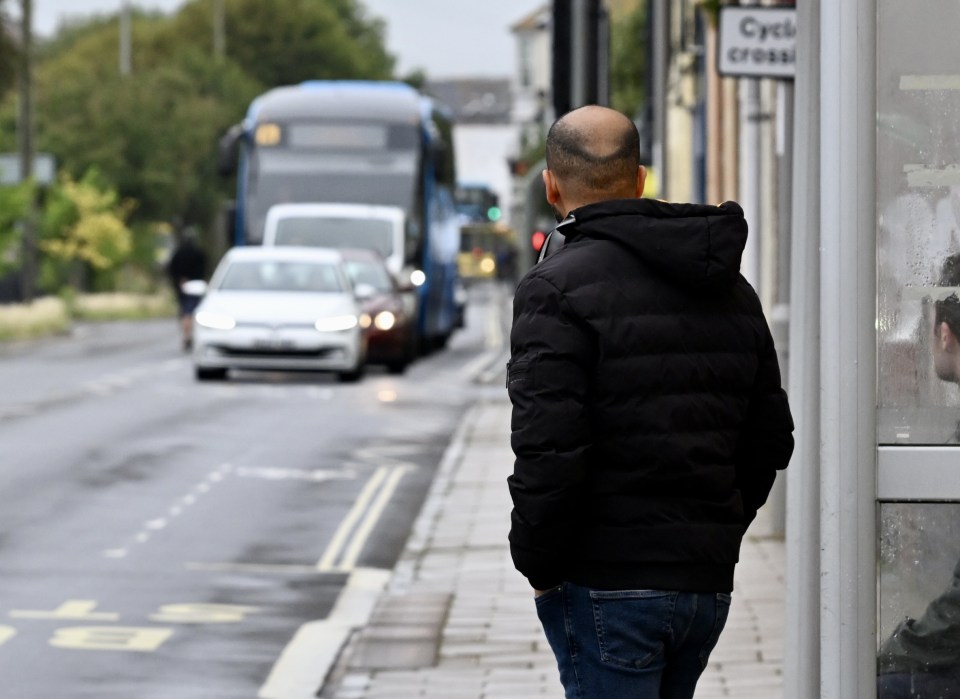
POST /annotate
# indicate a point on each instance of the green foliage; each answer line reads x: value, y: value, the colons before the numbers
x: 152, y: 134
x: 628, y: 61
x: 14, y: 202
x: 83, y: 229
x: 8, y: 49
x: 287, y: 41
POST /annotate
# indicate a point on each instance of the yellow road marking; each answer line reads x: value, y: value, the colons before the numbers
x: 71, y: 609
x: 126, y: 638
x: 346, y: 526
x: 371, y: 519
x: 352, y: 534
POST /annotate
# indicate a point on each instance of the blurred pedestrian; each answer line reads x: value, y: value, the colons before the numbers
x: 187, y: 264
x: 648, y: 419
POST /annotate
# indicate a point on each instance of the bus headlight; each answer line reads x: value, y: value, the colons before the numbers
x: 417, y: 277
x: 335, y: 324
x: 215, y: 321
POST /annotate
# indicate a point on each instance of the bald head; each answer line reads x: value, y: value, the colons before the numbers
x: 594, y: 154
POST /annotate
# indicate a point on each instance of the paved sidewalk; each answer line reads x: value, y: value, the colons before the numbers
x: 458, y: 622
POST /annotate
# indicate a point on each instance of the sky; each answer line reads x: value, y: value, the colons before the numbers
x: 446, y: 38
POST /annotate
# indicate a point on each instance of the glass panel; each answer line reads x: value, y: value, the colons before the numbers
x: 316, y: 231
x: 281, y: 276
x: 919, y: 588
x: 918, y: 221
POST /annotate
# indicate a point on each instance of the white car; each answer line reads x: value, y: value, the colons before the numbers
x: 283, y: 308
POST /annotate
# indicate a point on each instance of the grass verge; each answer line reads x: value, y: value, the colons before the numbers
x: 51, y: 315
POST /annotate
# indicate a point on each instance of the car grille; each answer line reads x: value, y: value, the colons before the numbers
x: 278, y: 353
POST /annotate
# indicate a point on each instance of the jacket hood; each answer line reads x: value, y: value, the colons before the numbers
x: 697, y: 245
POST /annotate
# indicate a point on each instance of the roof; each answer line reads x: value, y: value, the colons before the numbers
x: 390, y: 101
x: 475, y: 100
x: 537, y: 20
x: 322, y: 210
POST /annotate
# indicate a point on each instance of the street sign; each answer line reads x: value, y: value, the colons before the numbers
x: 757, y: 42
x: 44, y: 168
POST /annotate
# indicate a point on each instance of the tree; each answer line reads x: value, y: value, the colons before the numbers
x: 152, y: 136
x: 83, y: 230
x: 628, y: 60
x: 8, y: 48
x: 287, y: 41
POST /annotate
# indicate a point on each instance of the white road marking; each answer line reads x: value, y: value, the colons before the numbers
x: 273, y: 569
x: 277, y: 474
x: 159, y: 523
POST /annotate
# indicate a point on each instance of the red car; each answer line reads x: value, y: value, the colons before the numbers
x: 389, y: 324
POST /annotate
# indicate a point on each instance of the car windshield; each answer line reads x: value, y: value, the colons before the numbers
x: 369, y: 272
x: 272, y: 275
x: 312, y: 231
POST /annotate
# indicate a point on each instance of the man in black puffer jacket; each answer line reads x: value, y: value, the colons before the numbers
x: 648, y: 420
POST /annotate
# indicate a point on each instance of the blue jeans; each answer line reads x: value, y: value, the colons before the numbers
x: 631, y: 644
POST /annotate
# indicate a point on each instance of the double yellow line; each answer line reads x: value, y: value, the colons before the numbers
x: 347, y: 543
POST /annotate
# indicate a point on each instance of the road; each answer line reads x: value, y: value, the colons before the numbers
x: 161, y: 538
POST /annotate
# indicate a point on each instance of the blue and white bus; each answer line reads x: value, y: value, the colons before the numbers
x: 355, y: 142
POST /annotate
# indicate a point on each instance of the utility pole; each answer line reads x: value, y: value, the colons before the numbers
x: 126, y: 59
x: 658, y: 21
x: 219, y: 30
x: 26, y: 148
x: 580, y: 54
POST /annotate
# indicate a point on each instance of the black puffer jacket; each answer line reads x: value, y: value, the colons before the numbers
x: 648, y: 415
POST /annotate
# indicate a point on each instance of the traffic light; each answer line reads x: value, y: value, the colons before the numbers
x: 494, y: 213
x: 537, y: 240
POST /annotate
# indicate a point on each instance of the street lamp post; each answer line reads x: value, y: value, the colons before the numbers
x: 26, y: 148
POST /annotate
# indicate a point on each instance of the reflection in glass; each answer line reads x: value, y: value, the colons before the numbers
x: 918, y: 214
x: 919, y: 652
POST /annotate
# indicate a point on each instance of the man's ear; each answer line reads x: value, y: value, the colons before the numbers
x: 641, y: 180
x: 550, y: 184
x: 946, y: 339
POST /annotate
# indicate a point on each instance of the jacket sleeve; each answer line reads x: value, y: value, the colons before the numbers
x: 766, y: 439
x: 552, y: 352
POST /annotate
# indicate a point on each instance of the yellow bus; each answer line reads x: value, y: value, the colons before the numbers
x: 487, y: 251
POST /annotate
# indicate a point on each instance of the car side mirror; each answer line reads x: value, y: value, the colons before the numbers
x: 194, y: 287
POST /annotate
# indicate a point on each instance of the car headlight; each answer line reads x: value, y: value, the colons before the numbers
x: 336, y: 324
x: 215, y: 321
x: 365, y: 320
x: 385, y: 320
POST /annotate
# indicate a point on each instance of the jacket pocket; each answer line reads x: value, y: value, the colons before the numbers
x: 518, y: 371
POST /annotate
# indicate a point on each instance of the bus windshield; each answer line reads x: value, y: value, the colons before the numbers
x: 280, y: 177
x: 370, y: 234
